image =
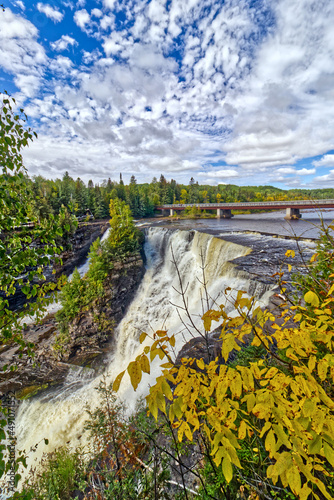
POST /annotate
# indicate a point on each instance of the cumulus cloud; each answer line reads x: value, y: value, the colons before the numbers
x: 50, y: 12
x: 20, y: 53
x: 325, y: 161
x: 63, y: 43
x: 176, y: 88
x: 220, y: 174
x: 81, y: 18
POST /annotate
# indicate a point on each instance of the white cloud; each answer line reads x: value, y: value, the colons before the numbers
x: 96, y: 13
x: 20, y: 4
x: 221, y: 174
x: 109, y: 4
x: 306, y: 171
x: 50, y: 12
x: 325, y: 161
x: 251, y: 86
x: 81, y: 18
x: 324, y: 180
x: 28, y: 84
x: 63, y: 43
x: 20, y: 53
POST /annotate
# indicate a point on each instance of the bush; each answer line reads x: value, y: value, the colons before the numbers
x: 267, y: 424
x: 60, y: 473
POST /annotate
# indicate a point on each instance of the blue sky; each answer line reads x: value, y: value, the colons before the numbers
x: 228, y: 91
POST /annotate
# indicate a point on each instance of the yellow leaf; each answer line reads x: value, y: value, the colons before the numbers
x: 161, y: 402
x: 309, y: 407
x: 180, y: 432
x: 188, y: 432
x: 134, y: 370
x: 142, y: 337
x: 177, y: 407
x: 227, y: 469
x: 282, y: 437
x: 200, y: 364
x: 314, y: 446
x: 207, y: 321
x: 329, y: 453
x: 289, y: 268
x: 242, y: 430
x: 322, y: 368
x: 271, y: 372
x: 270, y: 443
x: 311, y: 363
x: 290, y: 253
x: 283, y: 463
x: 265, y: 428
x: 250, y: 402
x: 294, y: 481
x: 305, y: 492
x: 311, y: 298
x: 261, y: 410
x: 117, y: 381
x: 161, y: 333
x: 166, y: 390
x: 154, y: 408
x: 145, y: 364
x: 172, y: 341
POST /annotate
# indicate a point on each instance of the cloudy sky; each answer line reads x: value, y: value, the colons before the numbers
x: 230, y: 91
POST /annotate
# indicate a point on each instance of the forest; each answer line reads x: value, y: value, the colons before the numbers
x: 50, y: 195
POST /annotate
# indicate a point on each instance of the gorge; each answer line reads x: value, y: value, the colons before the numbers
x: 58, y: 414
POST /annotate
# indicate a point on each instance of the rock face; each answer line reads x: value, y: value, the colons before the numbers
x: 80, y: 242
x: 91, y: 332
x: 90, y: 336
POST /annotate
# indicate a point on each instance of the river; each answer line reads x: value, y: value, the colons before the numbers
x: 234, y: 260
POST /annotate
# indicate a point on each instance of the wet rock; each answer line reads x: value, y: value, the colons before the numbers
x: 90, y: 336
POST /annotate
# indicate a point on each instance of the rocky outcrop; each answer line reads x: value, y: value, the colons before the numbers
x: 81, y: 241
x: 90, y: 336
x: 91, y: 332
x: 80, y: 244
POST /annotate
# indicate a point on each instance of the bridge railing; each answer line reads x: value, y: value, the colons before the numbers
x: 288, y: 203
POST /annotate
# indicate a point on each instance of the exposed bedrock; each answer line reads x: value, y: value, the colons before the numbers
x: 90, y: 336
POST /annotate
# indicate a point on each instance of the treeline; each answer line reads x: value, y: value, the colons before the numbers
x: 80, y: 199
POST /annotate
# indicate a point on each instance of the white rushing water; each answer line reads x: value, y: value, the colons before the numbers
x: 59, y: 414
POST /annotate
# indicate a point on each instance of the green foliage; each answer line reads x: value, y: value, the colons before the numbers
x: 124, y: 236
x: 80, y: 293
x: 26, y: 245
x: 60, y: 473
x: 50, y: 195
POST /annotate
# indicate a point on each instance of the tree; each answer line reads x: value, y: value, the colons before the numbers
x: 26, y: 244
x: 124, y: 236
x: 276, y: 412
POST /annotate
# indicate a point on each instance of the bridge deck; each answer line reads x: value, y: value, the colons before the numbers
x: 253, y: 205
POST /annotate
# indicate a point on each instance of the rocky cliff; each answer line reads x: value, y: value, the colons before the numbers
x: 90, y: 336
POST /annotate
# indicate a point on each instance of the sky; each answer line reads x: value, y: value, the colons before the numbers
x: 235, y: 91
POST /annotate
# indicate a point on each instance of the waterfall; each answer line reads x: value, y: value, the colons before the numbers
x: 59, y: 414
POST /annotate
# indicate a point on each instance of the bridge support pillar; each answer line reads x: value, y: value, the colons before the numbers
x: 226, y: 214
x: 171, y: 212
x: 292, y: 214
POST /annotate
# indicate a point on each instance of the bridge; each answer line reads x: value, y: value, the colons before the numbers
x: 224, y: 209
